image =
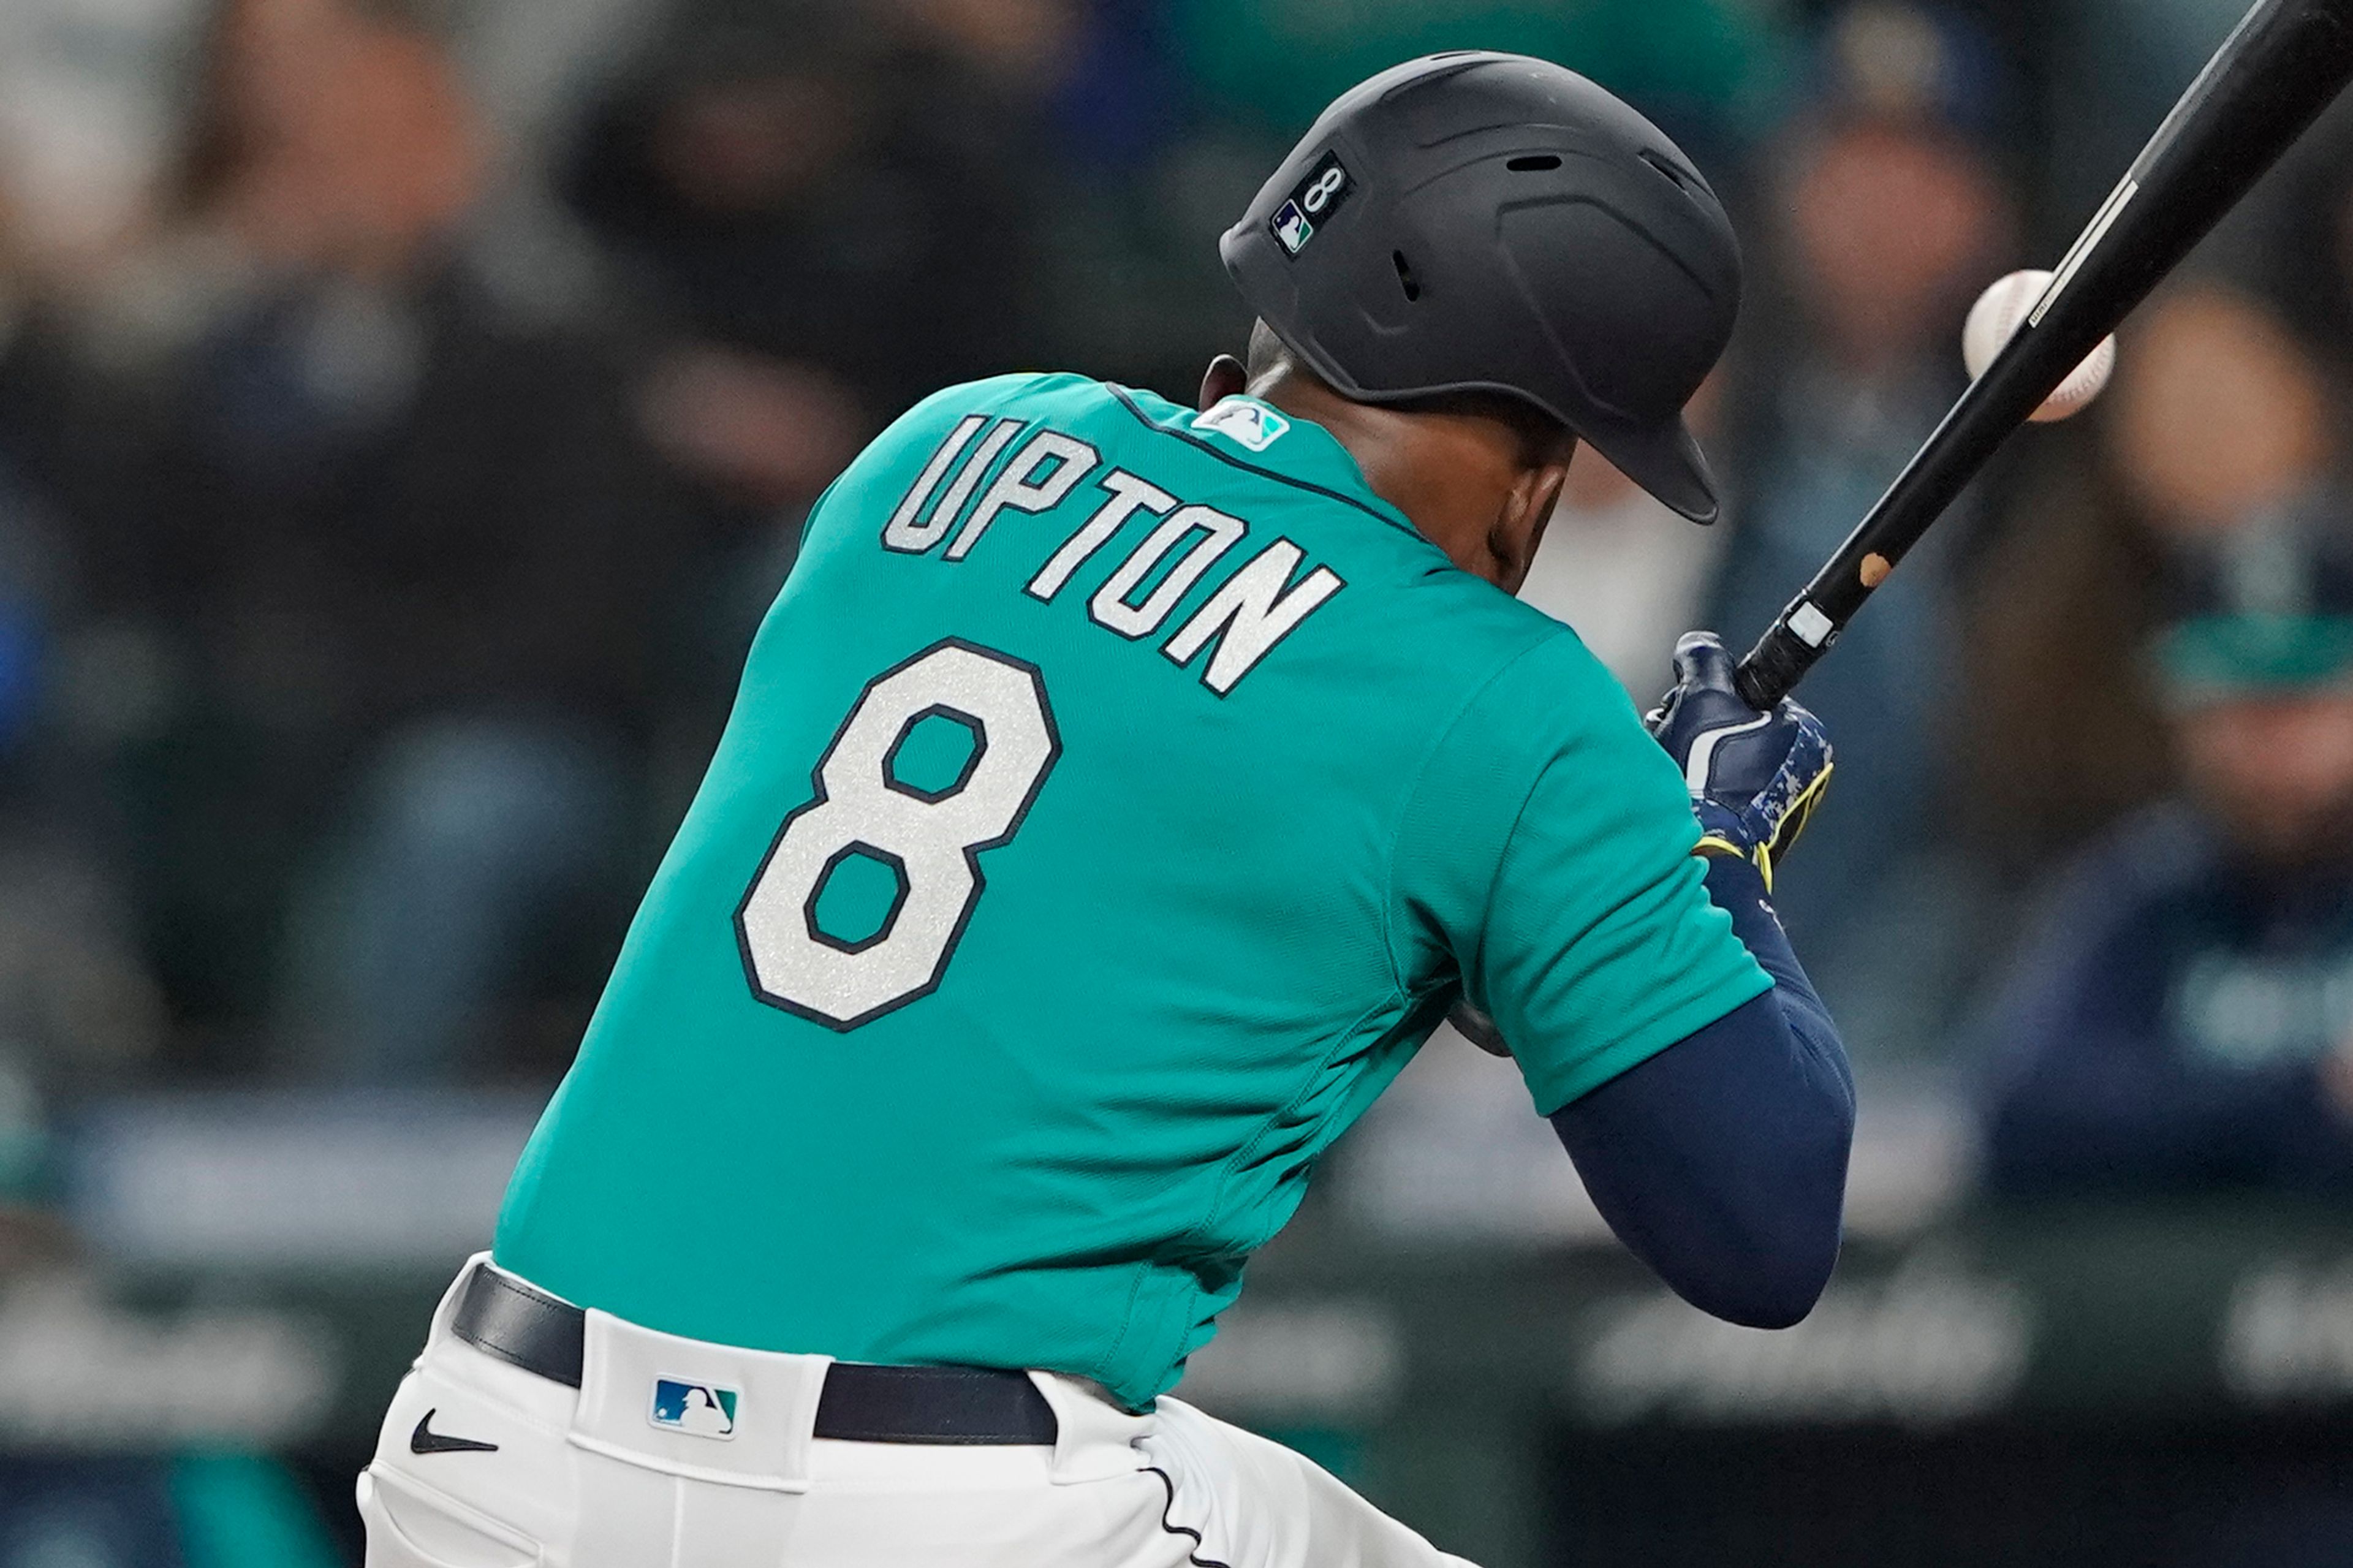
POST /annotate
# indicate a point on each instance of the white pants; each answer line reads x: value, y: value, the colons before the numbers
x: 587, y: 1477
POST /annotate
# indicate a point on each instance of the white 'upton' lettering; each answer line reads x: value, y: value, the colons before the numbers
x: 1128, y: 494
x: 903, y: 532
x: 1254, y: 610
x: 1019, y: 488
x: 1218, y: 533
x: 1243, y: 619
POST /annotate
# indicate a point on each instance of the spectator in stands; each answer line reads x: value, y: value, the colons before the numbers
x: 2183, y: 1019
x: 372, y: 511
x: 1893, y: 213
x: 826, y: 197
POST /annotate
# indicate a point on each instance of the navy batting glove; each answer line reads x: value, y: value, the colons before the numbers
x: 1755, y: 778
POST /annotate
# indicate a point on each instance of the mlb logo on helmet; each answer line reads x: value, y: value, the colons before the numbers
x: 1315, y: 199
x: 702, y: 1409
x: 1292, y: 227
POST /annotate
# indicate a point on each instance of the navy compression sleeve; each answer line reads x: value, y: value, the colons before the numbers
x: 1721, y: 1162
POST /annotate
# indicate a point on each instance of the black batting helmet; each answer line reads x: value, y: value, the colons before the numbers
x: 1482, y: 222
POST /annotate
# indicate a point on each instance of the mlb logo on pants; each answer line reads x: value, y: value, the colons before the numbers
x: 702, y: 1409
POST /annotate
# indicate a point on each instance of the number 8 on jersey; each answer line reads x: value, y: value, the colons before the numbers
x: 929, y: 839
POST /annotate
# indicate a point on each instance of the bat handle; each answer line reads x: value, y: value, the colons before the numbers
x: 1772, y: 669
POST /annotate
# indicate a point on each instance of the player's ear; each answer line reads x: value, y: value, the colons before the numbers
x: 1520, y: 527
x: 1223, y: 379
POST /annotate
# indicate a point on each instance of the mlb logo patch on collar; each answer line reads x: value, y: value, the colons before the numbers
x: 698, y: 1409
x: 1245, y: 421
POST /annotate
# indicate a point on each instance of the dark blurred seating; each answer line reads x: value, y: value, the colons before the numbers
x: 1705, y: 69
x: 373, y: 527
x: 830, y: 213
x: 156, y: 1513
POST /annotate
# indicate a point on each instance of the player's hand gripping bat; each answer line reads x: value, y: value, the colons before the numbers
x: 2271, y: 79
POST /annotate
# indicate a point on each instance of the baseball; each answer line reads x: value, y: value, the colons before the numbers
x: 1996, y: 316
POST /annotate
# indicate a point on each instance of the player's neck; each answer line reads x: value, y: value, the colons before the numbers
x: 1456, y: 478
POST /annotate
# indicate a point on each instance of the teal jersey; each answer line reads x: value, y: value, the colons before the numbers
x: 1115, y: 798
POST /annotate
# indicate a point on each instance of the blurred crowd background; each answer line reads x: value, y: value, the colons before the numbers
x: 408, y: 408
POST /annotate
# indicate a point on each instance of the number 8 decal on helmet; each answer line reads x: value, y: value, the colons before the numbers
x: 931, y: 839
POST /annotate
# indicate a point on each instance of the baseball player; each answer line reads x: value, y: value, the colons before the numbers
x: 1117, y: 795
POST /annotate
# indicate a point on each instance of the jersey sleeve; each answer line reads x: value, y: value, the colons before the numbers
x: 1547, y: 854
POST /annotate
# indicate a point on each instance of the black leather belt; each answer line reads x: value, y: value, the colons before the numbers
x: 501, y: 1316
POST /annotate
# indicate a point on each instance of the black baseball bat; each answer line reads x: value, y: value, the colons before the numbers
x: 2271, y: 79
